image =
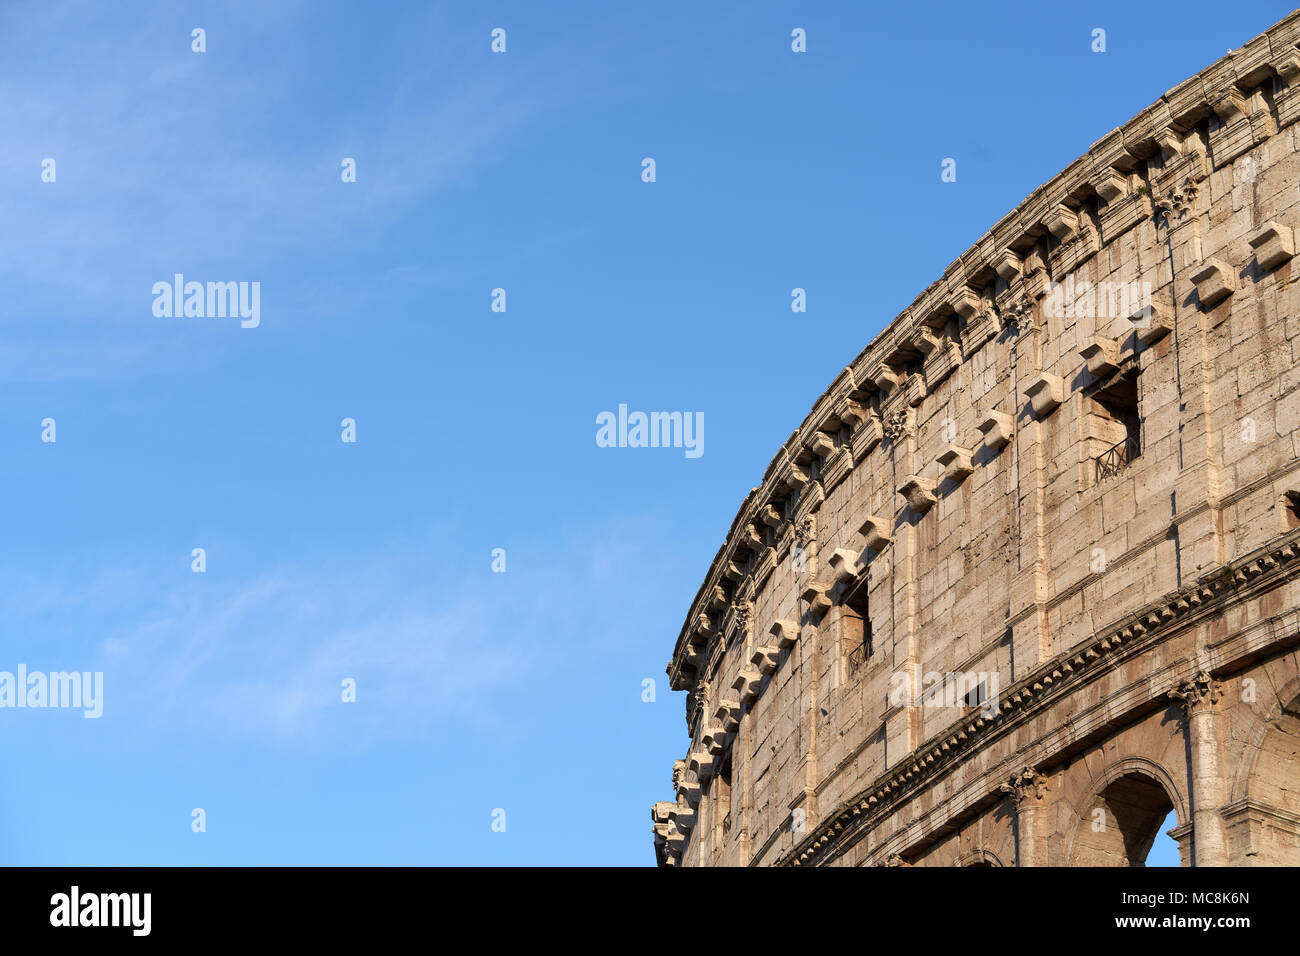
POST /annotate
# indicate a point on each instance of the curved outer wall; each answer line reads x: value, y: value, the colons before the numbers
x: 1126, y: 631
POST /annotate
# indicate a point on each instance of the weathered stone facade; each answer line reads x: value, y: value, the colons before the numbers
x: 1027, y: 576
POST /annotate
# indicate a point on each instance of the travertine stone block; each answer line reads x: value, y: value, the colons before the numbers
x: 701, y: 762
x: 924, y: 340
x: 1170, y: 141
x: 883, y: 377
x: 855, y: 414
x: 979, y: 330
x: 794, y: 477
x: 747, y: 684
x: 1110, y: 184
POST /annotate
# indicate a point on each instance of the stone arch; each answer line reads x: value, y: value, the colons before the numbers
x: 1135, y: 795
x: 1285, y: 704
x: 1263, y: 812
x: 982, y: 856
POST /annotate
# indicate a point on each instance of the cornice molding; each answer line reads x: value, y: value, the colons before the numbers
x: 1261, y: 570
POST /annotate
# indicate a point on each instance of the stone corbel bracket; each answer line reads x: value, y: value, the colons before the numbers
x: 1274, y: 244
x: 919, y: 493
x: 660, y: 822
x: 785, y: 632
x: 876, y: 530
x: 701, y: 761
x: 676, y: 840
x: 1062, y: 222
x: 844, y: 565
x: 955, y: 462
x: 732, y: 571
x: 868, y: 430
x: 1008, y: 264
x: 817, y: 595
x: 854, y: 413
x: 717, y: 599
x: 924, y: 339
x: 684, y: 816
x: 765, y: 658
x: 728, y: 715
x: 965, y: 301
x: 1151, y: 323
x: 705, y: 630
x: 1102, y: 356
x: 883, y: 377
x: 820, y: 444
x: 746, y: 684
x: 1214, y: 282
x: 794, y: 477
x: 997, y: 428
x: 1045, y: 393
x: 715, y: 740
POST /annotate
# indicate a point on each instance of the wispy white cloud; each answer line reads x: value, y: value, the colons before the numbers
x: 262, y: 659
x: 171, y: 161
x: 267, y: 658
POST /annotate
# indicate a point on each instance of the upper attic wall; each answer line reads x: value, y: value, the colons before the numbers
x: 1221, y: 113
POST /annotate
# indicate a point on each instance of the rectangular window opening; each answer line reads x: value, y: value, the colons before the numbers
x: 1114, y: 424
x: 855, y: 622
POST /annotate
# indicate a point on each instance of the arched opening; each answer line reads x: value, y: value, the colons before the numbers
x: 1263, y: 829
x: 1123, y: 822
x: 979, y: 858
x: 1164, y: 851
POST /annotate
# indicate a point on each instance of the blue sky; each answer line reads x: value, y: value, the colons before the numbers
x: 475, y: 429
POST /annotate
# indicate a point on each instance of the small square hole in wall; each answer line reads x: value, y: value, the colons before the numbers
x: 1291, y: 504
